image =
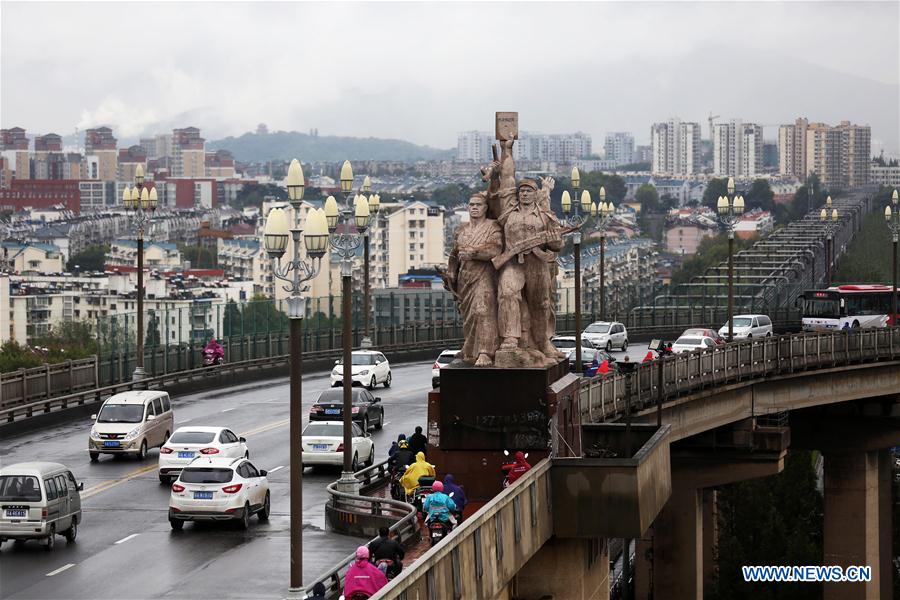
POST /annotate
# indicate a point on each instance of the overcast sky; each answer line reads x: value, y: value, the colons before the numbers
x: 425, y: 71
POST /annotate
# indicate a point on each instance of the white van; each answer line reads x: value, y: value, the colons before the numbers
x: 130, y: 423
x: 748, y: 326
x: 39, y: 500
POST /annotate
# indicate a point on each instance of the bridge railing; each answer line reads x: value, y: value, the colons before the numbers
x: 603, y: 397
x: 480, y: 556
x: 47, y: 381
x: 406, y: 527
x: 201, y: 376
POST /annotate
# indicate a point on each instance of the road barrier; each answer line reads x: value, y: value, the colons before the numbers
x: 603, y: 397
x: 230, y: 373
x: 28, y: 385
x: 405, y: 526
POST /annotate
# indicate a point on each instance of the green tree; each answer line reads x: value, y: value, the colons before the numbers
x: 200, y: 256
x: 92, y: 258
x: 711, y: 251
x: 648, y: 198
x: 776, y: 520
x: 868, y: 258
x: 638, y: 166
x: 714, y: 189
x: 760, y: 195
x: 258, y: 316
x: 151, y: 340
x: 668, y: 202
x: 253, y: 195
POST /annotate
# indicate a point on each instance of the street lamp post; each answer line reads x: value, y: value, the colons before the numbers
x: 296, y: 273
x: 605, y: 212
x: 730, y: 207
x: 345, y: 243
x: 374, y: 204
x: 141, y: 203
x: 576, y: 219
x: 892, y: 216
x: 829, y: 216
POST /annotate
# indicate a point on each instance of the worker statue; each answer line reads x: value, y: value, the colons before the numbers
x: 472, y: 279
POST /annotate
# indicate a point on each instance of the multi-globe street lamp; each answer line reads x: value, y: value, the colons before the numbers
x: 604, y: 214
x: 350, y: 217
x: 374, y: 204
x: 829, y: 218
x: 730, y: 208
x: 296, y: 272
x: 892, y: 217
x: 141, y: 204
x: 575, y: 218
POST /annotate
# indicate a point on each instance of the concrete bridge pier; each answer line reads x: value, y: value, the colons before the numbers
x: 684, y: 532
x: 566, y: 568
x: 857, y: 528
x: 855, y: 441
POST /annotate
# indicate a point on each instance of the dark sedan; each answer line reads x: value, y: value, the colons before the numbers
x: 367, y: 409
x: 587, y: 358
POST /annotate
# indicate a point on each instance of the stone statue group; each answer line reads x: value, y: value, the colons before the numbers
x: 502, y: 270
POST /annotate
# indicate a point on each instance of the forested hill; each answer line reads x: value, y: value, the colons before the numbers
x: 285, y: 145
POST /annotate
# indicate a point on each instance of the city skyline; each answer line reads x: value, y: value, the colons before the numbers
x: 622, y: 79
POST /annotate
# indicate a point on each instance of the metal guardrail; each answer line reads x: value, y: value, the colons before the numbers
x: 47, y: 381
x: 212, y: 373
x: 603, y: 397
x: 406, y: 528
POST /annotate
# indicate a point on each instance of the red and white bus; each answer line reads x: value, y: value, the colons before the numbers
x: 847, y: 306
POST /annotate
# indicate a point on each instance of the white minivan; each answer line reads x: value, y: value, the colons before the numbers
x: 748, y: 326
x: 130, y: 423
x: 39, y: 500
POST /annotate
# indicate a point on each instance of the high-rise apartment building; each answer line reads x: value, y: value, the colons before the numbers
x: 792, y: 148
x: 475, y: 146
x: 856, y: 148
x: 675, y: 147
x: 405, y: 236
x: 619, y: 147
x: 129, y: 160
x: 48, y: 159
x: 737, y: 149
x: 14, y: 147
x: 100, y: 142
x: 188, y: 153
x: 220, y: 164
x: 840, y: 155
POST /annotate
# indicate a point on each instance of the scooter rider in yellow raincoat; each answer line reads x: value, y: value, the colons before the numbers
x: 420, y: 468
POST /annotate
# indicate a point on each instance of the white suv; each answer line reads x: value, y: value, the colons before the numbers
x: 187, y: 443
x: 367, y: 368
x: 607, y: 335
x: 219, y: 489
x: 748, y: 326
x: 446, y: 357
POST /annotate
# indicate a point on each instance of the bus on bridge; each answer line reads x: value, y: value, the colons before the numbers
x: 847, y: 306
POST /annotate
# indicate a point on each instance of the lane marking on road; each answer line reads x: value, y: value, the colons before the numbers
x: 264, y: 428
x: 228, y: 409
x: 276, y: 469
x: 385, y: 423
x: 111, y: 483
x: 60, y: 570
x: 126, y: 538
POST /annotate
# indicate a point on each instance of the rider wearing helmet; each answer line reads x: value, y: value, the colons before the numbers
x: 437, y: 504
x: 362, y: 576
x: 402, y: 458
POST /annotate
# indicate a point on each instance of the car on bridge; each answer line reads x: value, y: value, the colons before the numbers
x: 688, y: 343
x: 219, y: 489
x: 130, y: 423
x: 748, y: 326
x: 587, y: 358
x: 367, y: 367
x: 187, y: 443
x: 322, y: 444
x: 703, y: 332
x: 40, y: 501
x: 367, y: 409
x: 446, y: 357
x: 564, y: 343
x: 607, y: 335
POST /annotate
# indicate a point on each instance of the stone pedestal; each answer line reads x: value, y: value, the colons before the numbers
x: 477, y: 413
